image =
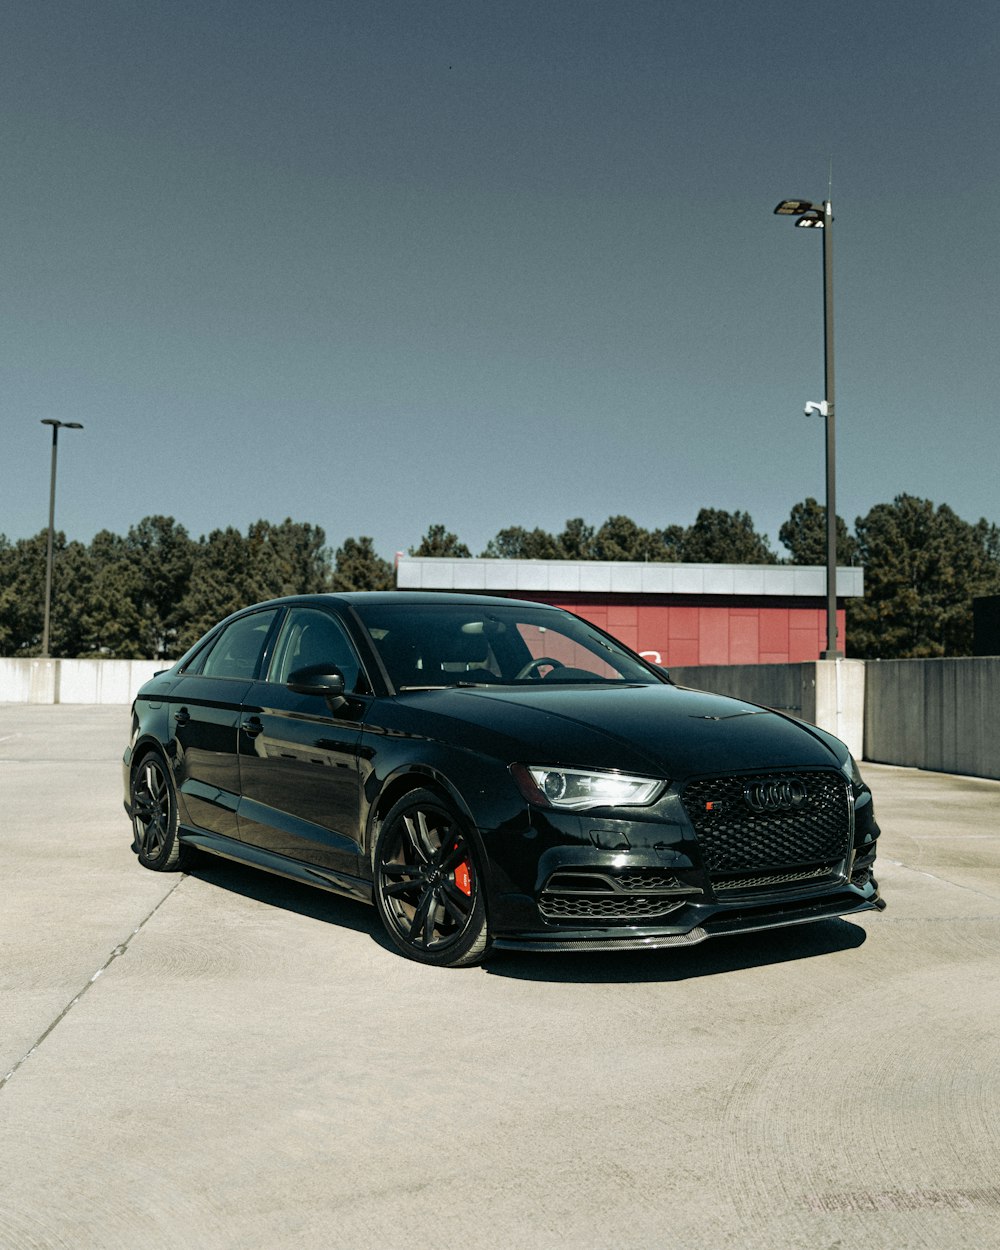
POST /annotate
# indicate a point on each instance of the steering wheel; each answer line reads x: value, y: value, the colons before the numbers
x: 531, y: 668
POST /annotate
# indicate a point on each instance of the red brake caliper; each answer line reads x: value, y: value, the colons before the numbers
x: 463, y: 878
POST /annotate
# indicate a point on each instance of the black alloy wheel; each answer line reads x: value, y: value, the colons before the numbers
x: 154, y: 817
x: 428, y: 885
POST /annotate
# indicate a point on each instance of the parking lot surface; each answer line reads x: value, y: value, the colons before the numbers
x: 225, y: 1060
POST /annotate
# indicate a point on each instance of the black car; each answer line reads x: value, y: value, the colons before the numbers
x: 492, y: 774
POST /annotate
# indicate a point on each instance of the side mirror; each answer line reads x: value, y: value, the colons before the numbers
x: 319, y: 679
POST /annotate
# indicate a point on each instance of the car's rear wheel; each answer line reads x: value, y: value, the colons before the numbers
x: 428, y: 883
x: 154, y: 816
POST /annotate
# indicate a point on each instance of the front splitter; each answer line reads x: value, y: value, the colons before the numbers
x: 720, y: 925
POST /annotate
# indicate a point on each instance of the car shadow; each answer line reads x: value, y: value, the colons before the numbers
x: 715, y: 957
x: 304, y: 900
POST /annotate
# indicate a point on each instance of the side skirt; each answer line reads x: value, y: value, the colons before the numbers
x: 293, y: 869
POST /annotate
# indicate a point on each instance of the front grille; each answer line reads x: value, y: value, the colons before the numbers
x: 646, y: 880
x: 769, y: 881
x: 591, y: 907
x: 612, y: 896
x: 735, y: 838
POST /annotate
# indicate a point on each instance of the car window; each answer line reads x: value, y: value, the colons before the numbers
x: 310, y: 638
x: 199, y: 656
x: 237, y: 650
x: 566, y: 653
x: 432, y: 645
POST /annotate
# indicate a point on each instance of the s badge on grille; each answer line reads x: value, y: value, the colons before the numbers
x: 775, y: 796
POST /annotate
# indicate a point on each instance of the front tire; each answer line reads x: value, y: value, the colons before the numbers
x: 428, y: 883
x: 155, y: 836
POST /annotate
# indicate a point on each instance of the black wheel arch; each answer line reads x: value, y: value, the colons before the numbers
x: 407, y: 780
x: 149, y: 744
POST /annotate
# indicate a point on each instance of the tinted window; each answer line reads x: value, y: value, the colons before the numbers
x: 432, y: 645
x: 310, y: 638
x: 238, y: 648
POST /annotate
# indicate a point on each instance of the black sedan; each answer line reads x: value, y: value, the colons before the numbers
x: 492, y: 774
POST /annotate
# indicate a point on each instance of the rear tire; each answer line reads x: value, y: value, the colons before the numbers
x: 155, y: 836
x: 428, y: 883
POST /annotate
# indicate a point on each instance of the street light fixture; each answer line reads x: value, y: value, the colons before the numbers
x: 820, y: 216
x: 56, y: 427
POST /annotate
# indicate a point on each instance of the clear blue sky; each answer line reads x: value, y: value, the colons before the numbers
x: 490, y: 262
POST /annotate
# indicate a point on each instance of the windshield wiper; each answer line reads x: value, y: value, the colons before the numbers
x: 452, y: 685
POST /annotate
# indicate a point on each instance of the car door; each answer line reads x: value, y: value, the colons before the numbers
x: 206, y: 709
x: 299, y: 752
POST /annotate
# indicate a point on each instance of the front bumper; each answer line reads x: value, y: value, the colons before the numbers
x: 595, y: 881
x: 697, y: 923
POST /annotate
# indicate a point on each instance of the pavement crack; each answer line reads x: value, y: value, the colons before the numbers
x: 934, y: 876
x: 120, y: 949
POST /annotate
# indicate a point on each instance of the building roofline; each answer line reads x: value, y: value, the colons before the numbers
x: 622, y: 577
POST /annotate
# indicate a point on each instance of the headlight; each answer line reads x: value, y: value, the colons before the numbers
x: 576, y: 789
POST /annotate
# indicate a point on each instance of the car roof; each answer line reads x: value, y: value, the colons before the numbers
x: 402, y: 597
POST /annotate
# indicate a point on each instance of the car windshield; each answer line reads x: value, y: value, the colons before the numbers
x: 447, y: 644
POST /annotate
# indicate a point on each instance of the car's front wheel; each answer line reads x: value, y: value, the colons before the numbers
x: 154, y: 816
x: 428, y: 883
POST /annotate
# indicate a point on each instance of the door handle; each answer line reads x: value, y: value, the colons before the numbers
x: 182, y: 717
x: 252, y: 726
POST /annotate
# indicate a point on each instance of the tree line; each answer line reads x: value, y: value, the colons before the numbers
x: 154, y: 591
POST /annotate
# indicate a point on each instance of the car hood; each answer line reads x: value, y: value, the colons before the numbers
x: 658, y: 729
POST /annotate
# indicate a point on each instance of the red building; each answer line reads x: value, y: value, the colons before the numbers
x: 674, y: 614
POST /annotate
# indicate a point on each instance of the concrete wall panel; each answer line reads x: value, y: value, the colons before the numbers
x: 74, y: 681
x: 936, y: 714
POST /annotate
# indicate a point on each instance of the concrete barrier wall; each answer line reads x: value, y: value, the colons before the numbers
x: 827, y: 693
x: 936, y: 714
x: 942, y: 715
x: 74, y: 681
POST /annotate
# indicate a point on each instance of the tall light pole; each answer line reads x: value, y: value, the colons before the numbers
x: 56, y: 427
x: 820, y: 216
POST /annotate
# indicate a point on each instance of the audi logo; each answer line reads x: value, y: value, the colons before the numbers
x: 775, y: 796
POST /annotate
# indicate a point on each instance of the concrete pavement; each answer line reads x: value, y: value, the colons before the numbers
x: 224, y: 1060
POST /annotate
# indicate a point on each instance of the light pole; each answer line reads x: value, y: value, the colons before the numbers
x: 56, y: 427
x: 820, y: 216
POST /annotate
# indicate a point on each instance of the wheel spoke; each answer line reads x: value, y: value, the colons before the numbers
x: 154, y: 783
x: 155, y: 834
x: 400, y: 889
x: 410, y: 834
x: 423, y: 917
x: 430, y: 921
x: 457, y: 904
x: 455, y: 855
x: 151, y: 809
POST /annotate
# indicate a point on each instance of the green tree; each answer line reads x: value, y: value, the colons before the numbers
x: 620, y: 538
x: 288, y: 559
x: 719, y: 537
x: 230, y: 571
x: 804, y: 534
x: 923, y: 567
x: 22, y: 595
x: 161, y: 552
x: 112, y: 619
x: 8, y: 598
x: 517, y: 543
x: 222, y: 581
x: 577, y: 540
x: 667, y: 545
x: 358, y: 567
x: 440, y: 542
